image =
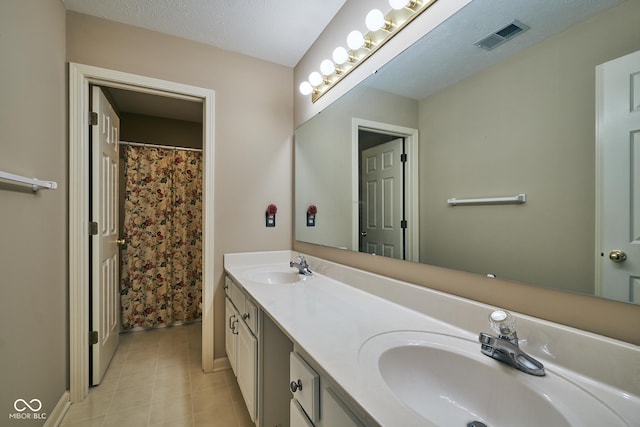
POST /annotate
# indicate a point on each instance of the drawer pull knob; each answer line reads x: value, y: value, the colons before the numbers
x: 295, y: 386
x: 245, y: 316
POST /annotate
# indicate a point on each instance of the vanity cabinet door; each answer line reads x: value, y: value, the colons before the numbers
x: 247, y: 367
x: 335, y: 412
x: 297, y: 416
x: 231, y: 333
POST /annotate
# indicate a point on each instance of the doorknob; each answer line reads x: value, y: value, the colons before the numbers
x: 121, y: 242
x: 617, y: 256
x: 363, y: 234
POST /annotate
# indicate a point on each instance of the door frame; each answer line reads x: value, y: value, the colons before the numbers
x: 411, y: 184
x: 80, y: 77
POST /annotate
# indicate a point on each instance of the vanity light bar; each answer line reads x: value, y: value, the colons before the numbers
x: 393, y: 22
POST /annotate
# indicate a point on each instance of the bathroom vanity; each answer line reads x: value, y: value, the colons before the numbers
x: 345, y: 347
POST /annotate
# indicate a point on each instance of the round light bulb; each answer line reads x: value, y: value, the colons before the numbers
x: 327, y: 68
x: 306, y: 88
x: 340, y: 55
x: 375, y: 20
x: 355, y: 40
x: 399, y: 4
x: 315, y: 79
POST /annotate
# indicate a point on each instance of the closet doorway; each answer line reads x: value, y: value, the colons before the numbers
x: 81, y: 77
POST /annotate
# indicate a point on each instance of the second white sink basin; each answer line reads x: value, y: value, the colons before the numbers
x: 273, y: 275
x: 446, y: 381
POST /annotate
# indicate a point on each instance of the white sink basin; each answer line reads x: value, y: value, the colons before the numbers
x: 273, y: 275
x: 446, y: 381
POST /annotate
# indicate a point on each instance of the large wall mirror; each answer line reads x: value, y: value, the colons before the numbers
x: 375, y: 170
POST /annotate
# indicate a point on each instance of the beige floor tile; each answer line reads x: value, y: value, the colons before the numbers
x: 200, y: 380
x: 171, y: 388
x: 172, y: 368
x: 234, y: 391
x: 91, y: 422
x: 94, y: 405
x: 132, y: 397
x: 136, y: 380
x: 211, y: 399
x: 156, y: 380
x: 215, y: 416
x: 187, y: 422
x: 131, y: 417
x: 242, y: 413
x: 171, y: 409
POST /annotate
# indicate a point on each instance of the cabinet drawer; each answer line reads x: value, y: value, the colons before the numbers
x: 305, y: 385
x: 250, y: 315
x: 227, y: 285
x: 237, y: 296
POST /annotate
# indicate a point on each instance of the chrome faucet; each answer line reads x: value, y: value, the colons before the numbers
x: 301, y: 265
x: 505, y: 346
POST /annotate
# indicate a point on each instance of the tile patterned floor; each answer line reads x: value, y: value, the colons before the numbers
x: 155, y: 379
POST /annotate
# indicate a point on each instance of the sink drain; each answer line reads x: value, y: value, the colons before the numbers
x: 476, y: 424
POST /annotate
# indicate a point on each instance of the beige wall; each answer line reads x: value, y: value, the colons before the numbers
x: 160, y: 131
x: 253, y: 127
x: 33, y: 262
x: 526, y: 125
x: 608, y: 318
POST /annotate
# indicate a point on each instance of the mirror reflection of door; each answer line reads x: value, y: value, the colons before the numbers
x: 382, y: 189
x: 618, y: 125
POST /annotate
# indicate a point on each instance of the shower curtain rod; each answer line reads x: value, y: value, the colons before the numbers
x: 167, y: 147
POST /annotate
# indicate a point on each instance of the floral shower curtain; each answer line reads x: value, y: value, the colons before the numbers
x: 161, y: 281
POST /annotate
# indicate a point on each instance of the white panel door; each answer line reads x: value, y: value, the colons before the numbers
x: 105, y: 281
x: 618, y: 139
x: 382, y: 183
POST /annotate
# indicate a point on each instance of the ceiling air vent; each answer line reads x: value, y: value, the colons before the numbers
x: 500, y: 36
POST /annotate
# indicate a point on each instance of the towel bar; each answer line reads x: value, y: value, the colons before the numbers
x: 36, y: 184
x: 520, y: 198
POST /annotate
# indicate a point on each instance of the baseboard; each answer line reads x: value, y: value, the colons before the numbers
x: 221, y: 363
x: 54, y: 419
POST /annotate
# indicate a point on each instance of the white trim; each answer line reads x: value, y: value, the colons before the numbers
x: 412, y: 183
x: 598, y: 286
x: 80, y: 76
x: 55, y: 417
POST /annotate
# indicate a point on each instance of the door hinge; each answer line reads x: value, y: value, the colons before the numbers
x: 403, y: 223
x: 403, y: 157
x: 93, y: 118
x: 93, y: 228
x: 93, y: 337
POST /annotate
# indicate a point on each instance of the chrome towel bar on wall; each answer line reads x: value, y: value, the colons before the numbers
x: 517, y: 199
x: 36, y: 184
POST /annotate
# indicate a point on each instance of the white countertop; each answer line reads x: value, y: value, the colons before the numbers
x: 330, y: 321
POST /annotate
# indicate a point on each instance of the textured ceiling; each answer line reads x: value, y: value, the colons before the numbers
x: 278, y: 31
